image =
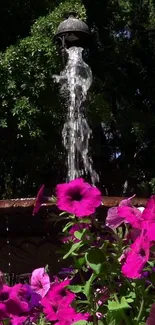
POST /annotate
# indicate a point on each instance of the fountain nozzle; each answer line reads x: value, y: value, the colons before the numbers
x: 72, y: 32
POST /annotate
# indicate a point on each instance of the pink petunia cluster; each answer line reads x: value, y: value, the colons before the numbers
x: 23, y: 303
x: 142, y: 233
x: 57, y: 305
x: 18, y: 303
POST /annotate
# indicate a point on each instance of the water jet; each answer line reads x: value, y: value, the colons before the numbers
x: 73, y: 37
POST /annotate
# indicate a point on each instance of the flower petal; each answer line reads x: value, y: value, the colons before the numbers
x: 113, y: 219
x: 127, y: 202
x: 149, y: 212
x: 151, y: 318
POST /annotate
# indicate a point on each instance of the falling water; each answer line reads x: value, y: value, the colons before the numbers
x: 8, y: 243
x: 75, y: 80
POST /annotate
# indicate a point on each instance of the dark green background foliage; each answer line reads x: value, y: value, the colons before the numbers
x: 121, y: 102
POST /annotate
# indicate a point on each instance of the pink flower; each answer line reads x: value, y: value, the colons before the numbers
x: 133, y: 234
x: 136, y: 257
x: 60, y: 313
x: 4, y: 298
x: 58, y: 294
x: 63, y: 315
x: 138, y: 218
x: 57, y: 298
x: 39, y: 200
x: 22, y: 299
x: 131, y: 215
x: 151, y: 318
x: 18, y: 320
x: 40, y: 281
x: 78, y: 197
x: 27, y: 319
x: 99, y: 315
x: 68, y: 316
x: 141, y: 219
x: 115, y: 218
x: 102, y: 295
x: 148, y: 218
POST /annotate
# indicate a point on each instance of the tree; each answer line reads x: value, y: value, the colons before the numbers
x: 31, y: 113
x: 17, y: 17
x: 124, y: 62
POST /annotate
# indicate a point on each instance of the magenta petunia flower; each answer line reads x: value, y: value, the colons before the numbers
x: 39, y: 200
x: 136, y: 257
x: 151, y: 318
x: 133, y: 234
x: 19, y: 320
x: 113, y: 219
x: 59, y: 287
x: 132, y: 215
x: 22, y: 299
x: 40, y: 281
x: 141, y: 218
x: 78, y: 197
x: 58, y: 313
x: 117, y: 215
x: 58, y: 294
x: 68, y: 316
x: 148, y: 218
x: 57, y: 298
x: 26, y: 319
x: 63, y: 314
x: 102, y: 295
x: 31, y: 296
x: 4, y: 298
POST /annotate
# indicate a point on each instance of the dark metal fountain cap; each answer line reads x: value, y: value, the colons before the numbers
x: 74, y: 32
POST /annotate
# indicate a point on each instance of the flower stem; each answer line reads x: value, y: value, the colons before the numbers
x: 95, y: 320
x: 140, y: 311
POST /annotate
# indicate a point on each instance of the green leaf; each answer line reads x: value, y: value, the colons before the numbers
x: 81, y: 261
x: 75, y: 288
x: 87, y: 287
x: 95, y: 258
x: 62, y: 213
x: 47, y: 268
x: 73, y: 248
x: 100, y: 322
x: 86, y: 220
x: 129, y: 300
x: 114, y: 317
x: 69, y: 224
x: 81, y: 322
x: 116, y: 305
x: 151, y: 263
x: 6, y: 322
x: 79, y: 234
x: 131, y: 297
x: 81, y: 302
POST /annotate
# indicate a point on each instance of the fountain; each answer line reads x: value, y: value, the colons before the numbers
x: 75, y: 80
